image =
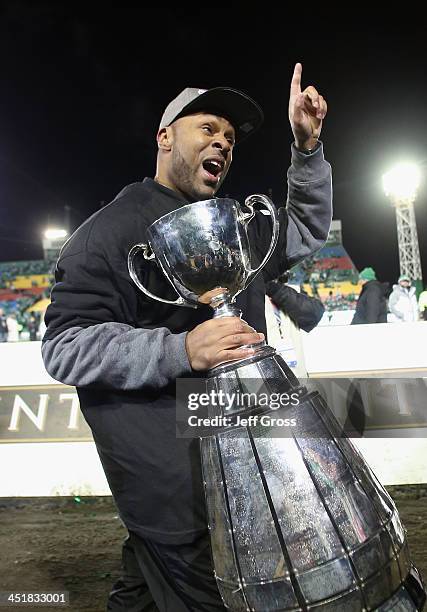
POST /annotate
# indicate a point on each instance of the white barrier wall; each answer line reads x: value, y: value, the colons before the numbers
x: 383, y: 350
x: 367, y: 350
x: 36, y: 461
x: 51, y: 468
x: 39, y: 463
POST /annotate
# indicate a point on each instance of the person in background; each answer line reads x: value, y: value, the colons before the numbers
x: 287, y: 312
x: 305, y: 311
x: 3, y: 326
x: 12, y: 328
x: 372, y: 303
x: 329, y: 305
x: 403, y: 301
x: 42, y: 326
x: 33, y: 326
x: 422, y: 305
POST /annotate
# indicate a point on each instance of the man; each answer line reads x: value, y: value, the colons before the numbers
x: 13, y: 328
x: 124, y: 352
x: 403, y: 301
x: 287, y: 312
x: 305, y: 311
x: 3, y: 326
x: 33, y: 326
x: 372, y: 303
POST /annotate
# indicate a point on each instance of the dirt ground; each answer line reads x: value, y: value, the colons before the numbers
x: 74, y: 544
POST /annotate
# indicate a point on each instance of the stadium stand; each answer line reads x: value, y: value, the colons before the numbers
x: 329, y: 274
x: 23, y: 284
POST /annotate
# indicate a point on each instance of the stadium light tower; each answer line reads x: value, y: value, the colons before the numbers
x: 53, y: 240
x: 400, y: 185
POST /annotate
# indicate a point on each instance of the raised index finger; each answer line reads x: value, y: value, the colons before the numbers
x: 296, y: 80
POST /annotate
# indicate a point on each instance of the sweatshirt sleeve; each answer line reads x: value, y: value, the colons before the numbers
x: 305, y: 311
x: 116, y: 356
x: 309, y: 204
x: 92, y: 336
x: 306, y: 219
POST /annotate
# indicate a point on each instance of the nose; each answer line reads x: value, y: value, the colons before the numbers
x: 223, y: 145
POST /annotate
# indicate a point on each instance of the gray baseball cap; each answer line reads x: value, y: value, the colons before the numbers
x: 244, y: 114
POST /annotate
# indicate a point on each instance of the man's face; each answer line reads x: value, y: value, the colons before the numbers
x: 200, y: 155
x: 405, y: 284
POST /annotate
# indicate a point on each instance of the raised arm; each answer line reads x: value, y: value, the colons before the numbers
x: 309, y: 177
x: 306, y: 218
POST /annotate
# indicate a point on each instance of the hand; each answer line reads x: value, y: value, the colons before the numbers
x: 218, y: 340
x: 206, y: 298
x: 307, y: 110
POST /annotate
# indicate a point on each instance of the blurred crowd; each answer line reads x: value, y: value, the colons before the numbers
x: 24, y: 287
x: 21, y: 326
x: 372, y: 301
x: 338, y: 301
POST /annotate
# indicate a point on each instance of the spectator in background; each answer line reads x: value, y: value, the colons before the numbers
x: 33, y: 326
x: 305, y: 311
x: 291, y: 311
x: 3, y: 326
x: 329, y: 304
x: 42, y: 326
x: 12, y: 328
x: 403, y: 301
x: 422, y: 305
x: 372, y: 303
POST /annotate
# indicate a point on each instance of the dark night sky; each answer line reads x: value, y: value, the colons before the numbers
x: 83, y: 88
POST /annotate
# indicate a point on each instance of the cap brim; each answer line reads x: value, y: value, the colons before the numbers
x: 243, y: 112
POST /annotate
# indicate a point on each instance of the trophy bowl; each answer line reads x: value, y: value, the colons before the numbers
x: 202, y: 246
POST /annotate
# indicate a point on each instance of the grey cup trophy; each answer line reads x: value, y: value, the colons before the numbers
x: 297, y: 522
x: 202, y: 246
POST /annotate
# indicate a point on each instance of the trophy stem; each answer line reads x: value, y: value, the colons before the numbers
x: 222, y: 306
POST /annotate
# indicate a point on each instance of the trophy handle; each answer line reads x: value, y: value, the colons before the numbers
x: 247, y: 217
x: 131, y: 266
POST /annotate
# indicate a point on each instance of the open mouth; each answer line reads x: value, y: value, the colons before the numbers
x: 213, y: 169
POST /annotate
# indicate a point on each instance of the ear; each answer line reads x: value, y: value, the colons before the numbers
x: 165, y: 138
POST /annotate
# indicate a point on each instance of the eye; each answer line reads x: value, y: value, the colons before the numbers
x: 207, y: 128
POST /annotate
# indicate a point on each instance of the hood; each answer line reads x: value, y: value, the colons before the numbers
x: 384, y: 286
x: 402, y: 290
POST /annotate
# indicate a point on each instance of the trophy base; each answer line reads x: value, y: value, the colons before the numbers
x: 297, y: 519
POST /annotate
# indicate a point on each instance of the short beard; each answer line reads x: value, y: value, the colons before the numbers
x: 183, y: 176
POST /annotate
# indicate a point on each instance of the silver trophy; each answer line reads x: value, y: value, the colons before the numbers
x: 297, y: 522
x: 202, y: 246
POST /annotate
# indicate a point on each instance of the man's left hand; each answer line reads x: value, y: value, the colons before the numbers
x: 307, y: 109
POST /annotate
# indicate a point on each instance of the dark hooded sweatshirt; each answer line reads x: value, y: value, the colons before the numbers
x: 124, y: 351
x: 372, y: 303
